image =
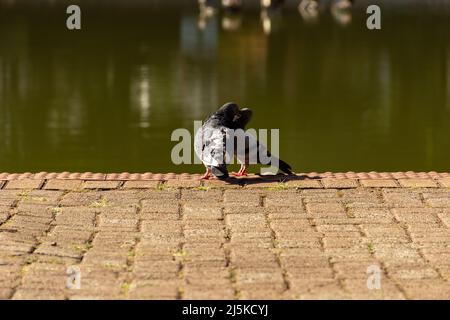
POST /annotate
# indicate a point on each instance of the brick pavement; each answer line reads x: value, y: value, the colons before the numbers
x: 255, y: 238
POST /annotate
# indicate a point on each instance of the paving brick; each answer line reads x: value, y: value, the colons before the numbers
x: 239, y: 197
x: 161, y: 194
x: 191, y: 211
x: 241, y: 222
x: 141, y: 184
x: 38, y: 294
x: 437, y: 193
x: 42, y: 198
x: 122, y: 198
x: 304, y: 184
x: 320, y: 193
x: 118, y: 222
x: 101, y: 184
x: 379, y: 183
x: 444, y: 182
x: 314, y: 287
x: 202, y: 294
x: 402, y: 253
x: 367, y: 195
x: 340, y: 242
x: 418, y: 183
x: 438, y: 202
x: 340, y: 183
x: 258, y: 182
x: 5, y: 293
x: 216, y: 183
x: 445, y: 218
x: 160, y: 205
x: 286, y: 198
x: 403, y: 198
x: 55, y: 184
x: 415, y: 215
x: 24, y: 184
x: 425, y: 288
x: 179, y: 183
x: 413, y: 273
x: 356, y: 253
x: 314, y: 208
x: 81, y: 199
x: 359, y: 289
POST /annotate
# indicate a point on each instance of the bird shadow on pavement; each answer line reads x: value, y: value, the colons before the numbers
x: 258, y: 179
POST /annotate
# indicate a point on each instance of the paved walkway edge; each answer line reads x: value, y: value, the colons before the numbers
x: 70, y: 181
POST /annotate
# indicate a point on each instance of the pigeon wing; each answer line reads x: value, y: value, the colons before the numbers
x: 246, y: 148
x: 253, y: 152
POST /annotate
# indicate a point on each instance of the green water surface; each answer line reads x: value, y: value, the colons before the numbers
x: 107, y: 98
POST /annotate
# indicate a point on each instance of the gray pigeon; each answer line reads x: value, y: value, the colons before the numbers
x: 211, y: 141
x: 222, y: 130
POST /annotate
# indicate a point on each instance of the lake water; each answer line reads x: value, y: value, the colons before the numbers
x: 108, y: 97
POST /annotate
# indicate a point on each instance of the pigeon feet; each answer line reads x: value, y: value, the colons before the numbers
x: 206, y: 176
x: 241, y: 173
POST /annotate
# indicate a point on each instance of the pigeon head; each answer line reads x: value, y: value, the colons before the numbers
x: 242, y: 118
x: 226, y: 114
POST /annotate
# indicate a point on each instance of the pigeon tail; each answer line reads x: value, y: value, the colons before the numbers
x: 283, y: 166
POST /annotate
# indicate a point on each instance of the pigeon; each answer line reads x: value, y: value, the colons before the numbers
x: 211, y: 140
x: 251, y: 150
x: 226, y: 128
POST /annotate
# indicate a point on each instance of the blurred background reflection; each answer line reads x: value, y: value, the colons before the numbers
x: 107, y: 98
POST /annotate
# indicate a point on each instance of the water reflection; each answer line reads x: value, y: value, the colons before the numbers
x: 232, y: 5
x: 341, y: 11
x: 206, y: 12
x: 107, y: 98
x: 231, y: 21
x: 271, y: 20
x: 271, y: 12
x: 140, y: 95
x: 309, y: 10
x: 196, y: 75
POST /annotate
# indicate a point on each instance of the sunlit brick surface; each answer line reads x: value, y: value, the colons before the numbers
x: 167, y: 236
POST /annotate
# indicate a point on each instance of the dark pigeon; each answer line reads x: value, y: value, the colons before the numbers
x: 212, y: 139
